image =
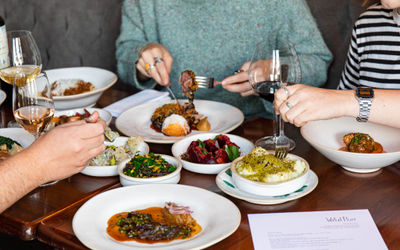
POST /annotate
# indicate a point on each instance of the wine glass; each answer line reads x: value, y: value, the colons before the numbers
x: 272, y: 66
x: 33, y: 105
x: 23, y: 60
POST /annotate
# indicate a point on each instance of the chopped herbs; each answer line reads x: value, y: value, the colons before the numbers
x: 148, y: 166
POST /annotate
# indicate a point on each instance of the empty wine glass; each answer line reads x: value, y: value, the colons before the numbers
x: 271, y: 67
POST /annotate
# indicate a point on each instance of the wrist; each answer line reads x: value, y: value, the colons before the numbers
x: 348, y: 105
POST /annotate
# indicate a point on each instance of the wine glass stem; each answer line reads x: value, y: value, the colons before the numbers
x: 281, y: 126
x: 275, y: 125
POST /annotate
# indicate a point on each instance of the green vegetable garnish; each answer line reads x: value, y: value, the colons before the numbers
x: 201, y: 144
x: 8, y: 141
x: 232, y: 151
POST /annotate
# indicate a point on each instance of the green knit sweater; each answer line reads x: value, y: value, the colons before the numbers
x: 215, y: 37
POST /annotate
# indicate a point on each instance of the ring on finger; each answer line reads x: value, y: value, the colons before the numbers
x: 286, y: 90
x: 148, y: 68
x: 289, y: 105
x: 157, y: 60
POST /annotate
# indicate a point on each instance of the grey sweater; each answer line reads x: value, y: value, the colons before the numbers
x: 215, y: 37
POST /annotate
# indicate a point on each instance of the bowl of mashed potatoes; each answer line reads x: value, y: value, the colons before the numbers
x: 261, y: 173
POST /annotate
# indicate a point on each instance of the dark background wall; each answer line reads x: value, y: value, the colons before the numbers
x: 83, y: 32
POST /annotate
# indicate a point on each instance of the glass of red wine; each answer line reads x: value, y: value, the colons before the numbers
x: 272, y: 66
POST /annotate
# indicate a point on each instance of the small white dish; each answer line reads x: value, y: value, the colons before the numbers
x: 225, y: 182
x: 19, y: 135
x: 270, y: 189
x: 180, y: 147
x: 222, y: 117
x: 171, y: 178
x: 105, y: 171
x: 102, y: 79
x: 3, y: 96
x: 326, y: 136
x: 104, y: 114
x: 217, y: 215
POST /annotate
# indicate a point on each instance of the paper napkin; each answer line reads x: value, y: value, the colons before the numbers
x: 144, y: 96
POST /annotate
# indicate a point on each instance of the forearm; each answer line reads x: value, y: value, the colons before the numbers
x: 18, y: 177
x: 384, y: 105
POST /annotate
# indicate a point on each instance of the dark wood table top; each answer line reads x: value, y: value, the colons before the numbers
x: 46, y: 213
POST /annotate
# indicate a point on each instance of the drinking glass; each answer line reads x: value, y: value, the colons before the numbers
x: 23, y: 60
x: 23, y: 55
x: 33, y: 105
x: 271, y: 67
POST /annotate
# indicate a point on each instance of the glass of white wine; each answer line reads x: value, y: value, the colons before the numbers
x: 23, y: 55
x: 33, y: 105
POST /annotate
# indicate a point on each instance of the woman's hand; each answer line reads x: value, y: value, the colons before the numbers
x: 239, y: 82
x: 66, y: 149
x: 155, y: 62
x: 299, y: 103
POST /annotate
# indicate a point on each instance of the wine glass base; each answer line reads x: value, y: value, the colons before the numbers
x: 268, y: 143
x: 49, y: 183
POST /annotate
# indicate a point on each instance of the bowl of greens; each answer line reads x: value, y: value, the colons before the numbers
x: 149, y: 168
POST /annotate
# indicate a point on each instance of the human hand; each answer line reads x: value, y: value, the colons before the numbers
x: 67, y: 149
x: 301, y: 103
x: 155, y: 62
x: 239, y: 83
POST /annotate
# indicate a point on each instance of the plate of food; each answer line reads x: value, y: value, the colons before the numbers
x: 13, y: 140
x: 117, y: 151
x: 64, y: 116
x: 79, y: 87
x: 209, y: 153
x: 179, y: 212
x: 149, y: 120
x: 261, y: 177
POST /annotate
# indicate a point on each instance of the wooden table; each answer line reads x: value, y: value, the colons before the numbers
x: 46, y: 213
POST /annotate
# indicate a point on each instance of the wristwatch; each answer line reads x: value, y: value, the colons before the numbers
x: 364, y: 96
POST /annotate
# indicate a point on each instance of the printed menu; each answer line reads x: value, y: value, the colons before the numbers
x: 319, y: 230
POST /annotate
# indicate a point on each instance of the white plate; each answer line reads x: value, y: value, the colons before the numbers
x: 2, y: 96
x: 217, y: 216
x: 180, y: 147
x: 104, y: 114
x: 225, y: 183
x: 135, y: 121
x: 104, y: 171
x: 101, y: 78
x: 19, y: 135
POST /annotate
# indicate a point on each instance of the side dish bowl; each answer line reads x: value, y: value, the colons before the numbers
x: 105, y: 171
x: 104, y: 114
x: 171, y: 178
x: 270, y: 189
x: 102, y: 79
x: 326, y: 136
x: 180, y: 147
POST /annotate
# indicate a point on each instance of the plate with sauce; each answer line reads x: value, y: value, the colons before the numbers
x: 222, y: 117
x: 215, y: 216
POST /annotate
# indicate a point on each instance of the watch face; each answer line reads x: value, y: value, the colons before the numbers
x: 365, y: 92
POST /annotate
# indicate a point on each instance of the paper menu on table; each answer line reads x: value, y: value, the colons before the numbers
x: 319, y: 230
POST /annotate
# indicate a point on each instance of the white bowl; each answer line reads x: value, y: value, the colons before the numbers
x: 171, y: 178
x: 104, y: 114
x: 19, y: 135
x: 326, y: 136
x: 101, y: 78
x: 270, y: 189
x: 105, y: 171
x: 180, y: 147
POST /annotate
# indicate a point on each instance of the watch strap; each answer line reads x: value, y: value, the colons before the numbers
x: 365, y: 109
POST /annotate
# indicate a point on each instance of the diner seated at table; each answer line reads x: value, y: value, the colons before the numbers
x: 60, y: 153
x: 159, y: 40
x: 301, y: 104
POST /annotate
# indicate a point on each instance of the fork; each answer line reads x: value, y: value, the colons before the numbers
x: 281, y: 147
x: 205, y: 82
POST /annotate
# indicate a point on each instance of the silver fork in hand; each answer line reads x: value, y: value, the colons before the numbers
x: 205, y: 82
x: 281, y: 147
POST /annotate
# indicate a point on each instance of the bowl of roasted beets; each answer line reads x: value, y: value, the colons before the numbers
x: 210, y: 153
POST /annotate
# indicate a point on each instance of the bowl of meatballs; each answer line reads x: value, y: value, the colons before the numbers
x: 360, y: 147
